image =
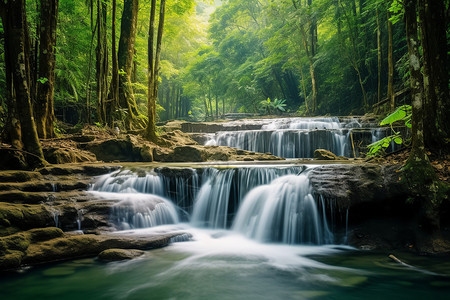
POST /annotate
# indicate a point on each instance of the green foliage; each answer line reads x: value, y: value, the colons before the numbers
x: 402, y: 113
x: 42, y: 80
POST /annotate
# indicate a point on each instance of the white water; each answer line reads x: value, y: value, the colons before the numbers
x: 283, y: 211
x: 264, y: 203
x: 290, y: 137
x: 134, y: 210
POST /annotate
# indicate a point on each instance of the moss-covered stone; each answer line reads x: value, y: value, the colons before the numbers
x: 119, y: 254
x: 24, y: 216
x: 19, y: 176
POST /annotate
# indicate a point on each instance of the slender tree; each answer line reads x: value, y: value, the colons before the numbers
x: 43, y: 106
x: 113, y: 97
x: 153, y: 66
x: 102, y: 61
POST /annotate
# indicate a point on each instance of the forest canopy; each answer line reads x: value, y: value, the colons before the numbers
x: 310, y: 57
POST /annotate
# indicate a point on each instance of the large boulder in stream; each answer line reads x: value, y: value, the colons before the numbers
x: 354, y: 184
x: 43, y: 245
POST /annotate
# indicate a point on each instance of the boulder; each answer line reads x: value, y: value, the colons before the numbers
x: 119, y: 254
x: 64, y: 156
x: 322, y: 154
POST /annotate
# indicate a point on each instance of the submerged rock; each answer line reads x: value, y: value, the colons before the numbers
x: 119, y: 254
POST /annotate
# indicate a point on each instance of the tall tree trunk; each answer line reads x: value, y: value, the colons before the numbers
x: 418, y: 148
x: 379, y: 57
x: 126, y: 61
x: 153, y: 66
x: 390, y: 90
x: 433, y: 26
x: 12, y: 122
x: 43, y: 107
x: 17, y: 41
x: 102, y: 61
x: 113, y: 98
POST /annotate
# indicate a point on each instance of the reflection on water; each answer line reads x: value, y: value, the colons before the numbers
x: 223, y: 265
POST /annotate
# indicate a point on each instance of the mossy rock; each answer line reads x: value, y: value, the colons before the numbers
x: 119, y: 254
x: 19, y: 176
x: 322, y: 154
x: 24, y: 216
x: 45, y: 234
x: 64, y: 156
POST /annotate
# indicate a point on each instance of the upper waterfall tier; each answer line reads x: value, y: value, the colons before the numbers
x: 290, y: 137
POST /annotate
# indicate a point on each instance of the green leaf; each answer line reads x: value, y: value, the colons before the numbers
x: 398, y: 140
x: 399, y: 114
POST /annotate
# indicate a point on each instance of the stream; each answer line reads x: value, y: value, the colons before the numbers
x: 250, y: 231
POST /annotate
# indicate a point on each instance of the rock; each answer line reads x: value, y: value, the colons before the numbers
x: 197, y: 153
x: 64, y: 156
x: 119, y: 254
x: 115, y: 149
x: 19, y: 176
x: 176, y: 138
x: 322, y: 154
x: 355, y: 184
x: 24, y: 216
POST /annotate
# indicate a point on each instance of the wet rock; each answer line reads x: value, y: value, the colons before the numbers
x: 119, y: 254
x: 322, y: 154
x: 352, y: 184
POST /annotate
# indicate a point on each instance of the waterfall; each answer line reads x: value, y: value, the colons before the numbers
x: 283, y: 211
x: 129, y: 182
x: 290, y: 137
x: 211, y: 204
x: 142, y: 211
x: 268, y: 203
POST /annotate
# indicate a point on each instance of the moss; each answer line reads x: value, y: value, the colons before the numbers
x: 11, y: 260
x: 425, y: 188
x: 24, y: 216
x: 45, y: 234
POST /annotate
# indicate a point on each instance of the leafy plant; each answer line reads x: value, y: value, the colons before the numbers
x: 276, y: 105
x: 402, y: 113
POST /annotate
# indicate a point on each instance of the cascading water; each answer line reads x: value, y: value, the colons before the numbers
x: 291, y: 137
x: 283, y: 211
x: 211, y: 204
x: 265, y: 203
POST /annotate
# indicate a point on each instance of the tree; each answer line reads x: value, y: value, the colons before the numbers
x: 17, y: 41
x: 153, y: 66
x: 102, y: 61
x: 125, y: 58
x: 43, y: 107
x: 433, y: 26
x: 113, y: 97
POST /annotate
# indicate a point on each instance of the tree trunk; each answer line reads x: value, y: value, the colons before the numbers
x: 153, y: 66
x: 113, y: 98
x: 43, y: 107
x: 435, y: 73
x: 17, y: 41
x: 379, y: 53
x: 390, y: 90
x: 102, y: 62
x: 126, y: 61
x: 418, y: 148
